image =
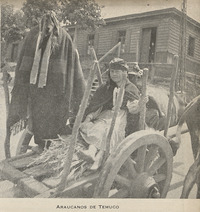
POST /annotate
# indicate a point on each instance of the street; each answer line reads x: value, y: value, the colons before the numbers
x: 182, y: 161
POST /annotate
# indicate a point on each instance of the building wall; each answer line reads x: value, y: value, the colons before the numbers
x: 192, y: 62
x: 106, y: 38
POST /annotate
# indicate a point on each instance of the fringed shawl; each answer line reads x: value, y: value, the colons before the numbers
x: 64, y: 76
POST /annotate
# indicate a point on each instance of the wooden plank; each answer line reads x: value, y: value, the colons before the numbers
x: 8, y: 172
x: 51, y: 182
x: 23, y: 162
x: 77, y: 189
x: 28, y: 154
x: 32, y: 187
x: 38, y: 171
x: 45, y: 194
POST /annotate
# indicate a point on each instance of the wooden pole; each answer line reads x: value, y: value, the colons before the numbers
x: 119, y: 50
x: 137, y: 52
x: 171, y: 96
x: 112, y: 125
x: 7, y: 101
x: 111, y: 50
x: 144, y: 94
x: 98, y: 70
x: 73, y: 138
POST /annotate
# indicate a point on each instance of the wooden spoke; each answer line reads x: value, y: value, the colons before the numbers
x: 124, y: 173
x: 159, y: 177
x: 123, y: 181
x: 131, y: 168
x: 156, y: 165
x: 151, y: 156
x: 141, y: 154
x: 121, y: 193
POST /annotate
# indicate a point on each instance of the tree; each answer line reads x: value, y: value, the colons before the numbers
x: 12, y: 24
x: 12, y: 27
x: 84, y: 13
x: 35, y: 9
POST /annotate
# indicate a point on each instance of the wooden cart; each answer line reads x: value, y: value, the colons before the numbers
x: 140, y: 167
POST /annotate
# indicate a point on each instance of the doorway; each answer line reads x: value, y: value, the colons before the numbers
x: 148, y: 44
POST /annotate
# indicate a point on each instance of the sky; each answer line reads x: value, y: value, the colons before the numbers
x: 124, y: 7
x: 113, y: 8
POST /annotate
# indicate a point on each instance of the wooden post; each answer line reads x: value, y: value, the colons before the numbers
x: 152, y: 74
x: 144, y: 94
x: 171, y: 96
x: 137, y: 52
x: 112, y: 125
x: 7, y: 101
x: 73, y: 138
x: 111, y: 50
x: 119, y: 50
x: 98, y: 70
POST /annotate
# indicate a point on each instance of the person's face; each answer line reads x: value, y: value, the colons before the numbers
x: 117, y: 75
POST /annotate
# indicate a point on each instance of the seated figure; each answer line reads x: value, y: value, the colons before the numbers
x: 99, y: 113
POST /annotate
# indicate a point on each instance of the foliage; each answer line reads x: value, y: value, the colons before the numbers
x: 12, y: 24
x: 84, y: 13
x: 35, y: 9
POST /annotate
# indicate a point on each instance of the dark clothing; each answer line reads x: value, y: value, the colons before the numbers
x: 50, y: 106
x: 103, y: 97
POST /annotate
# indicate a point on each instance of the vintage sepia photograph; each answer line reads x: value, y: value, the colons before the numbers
x: 100, y: 105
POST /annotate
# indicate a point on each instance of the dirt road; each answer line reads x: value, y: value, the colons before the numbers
x: 181, y: 163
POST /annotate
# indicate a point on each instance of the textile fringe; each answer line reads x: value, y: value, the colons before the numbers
x: 18, y: 127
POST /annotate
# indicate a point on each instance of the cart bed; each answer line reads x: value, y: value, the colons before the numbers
x: 37, y: 180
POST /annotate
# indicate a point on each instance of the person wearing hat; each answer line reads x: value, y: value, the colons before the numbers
x: 99, y: 113
x: 49, y: 83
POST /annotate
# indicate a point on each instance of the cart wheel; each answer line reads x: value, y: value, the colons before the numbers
x: 24, y: 141
x: 140, y: 167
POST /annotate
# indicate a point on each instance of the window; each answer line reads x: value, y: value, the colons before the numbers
x: 191, y: 44
x: 121, y: 38
x: 90, y: 42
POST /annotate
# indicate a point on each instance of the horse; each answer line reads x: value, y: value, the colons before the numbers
x: 191, y: 116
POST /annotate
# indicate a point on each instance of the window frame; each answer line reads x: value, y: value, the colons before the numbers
x: 88, y: 40
x: 123, y: 44
x: 191, y: 46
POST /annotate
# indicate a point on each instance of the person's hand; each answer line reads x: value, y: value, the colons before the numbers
x: 140, y: 73
x: 143, y: 101
x: 85, y: 126
x: 88, y: 119
x: 133, y: 106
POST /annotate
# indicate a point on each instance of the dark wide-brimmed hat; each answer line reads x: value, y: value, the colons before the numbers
x: 118, y: 64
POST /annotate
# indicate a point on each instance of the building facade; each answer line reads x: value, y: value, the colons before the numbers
x: 148, y: 38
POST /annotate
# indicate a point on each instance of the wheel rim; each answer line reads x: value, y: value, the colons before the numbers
x: 140, y: 166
